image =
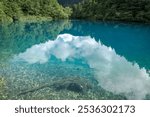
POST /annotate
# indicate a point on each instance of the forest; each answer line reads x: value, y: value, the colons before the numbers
x: 122, y: 10
x: 14, y: 10
x: 119, y: 10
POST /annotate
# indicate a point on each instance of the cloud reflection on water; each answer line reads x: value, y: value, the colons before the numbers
x: 113, y: 72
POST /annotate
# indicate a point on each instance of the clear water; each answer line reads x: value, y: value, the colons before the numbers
x: 75, y: 60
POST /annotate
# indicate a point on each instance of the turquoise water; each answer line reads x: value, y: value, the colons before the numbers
x: 75, y: 60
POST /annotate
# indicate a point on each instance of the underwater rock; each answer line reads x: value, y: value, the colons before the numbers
x: 75, y: 87
x: 78, y: 85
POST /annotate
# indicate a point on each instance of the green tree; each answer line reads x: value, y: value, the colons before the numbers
x: 15, y: 9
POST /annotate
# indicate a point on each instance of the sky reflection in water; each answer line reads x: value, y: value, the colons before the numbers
x: 112, y: 71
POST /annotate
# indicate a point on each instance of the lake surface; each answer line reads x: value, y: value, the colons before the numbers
x: 75, y: 60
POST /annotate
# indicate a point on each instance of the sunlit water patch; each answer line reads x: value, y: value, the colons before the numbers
x: 112, y: 72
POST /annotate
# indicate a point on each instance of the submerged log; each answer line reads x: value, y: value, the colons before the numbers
x: 76, y: 85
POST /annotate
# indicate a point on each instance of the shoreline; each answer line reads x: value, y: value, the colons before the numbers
x: 36, y: 19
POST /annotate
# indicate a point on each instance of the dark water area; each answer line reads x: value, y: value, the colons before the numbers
x: 74, y: 60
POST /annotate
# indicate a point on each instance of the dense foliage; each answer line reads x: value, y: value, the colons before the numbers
x: 127, y: 10
x: 16, y: 9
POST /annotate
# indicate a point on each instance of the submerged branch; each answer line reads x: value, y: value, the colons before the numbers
x: 75, y: 85
x: 34, y: 89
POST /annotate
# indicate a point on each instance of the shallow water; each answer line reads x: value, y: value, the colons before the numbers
x: 74, y: 60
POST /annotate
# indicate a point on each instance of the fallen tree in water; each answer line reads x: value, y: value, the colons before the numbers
x: 76, y: 85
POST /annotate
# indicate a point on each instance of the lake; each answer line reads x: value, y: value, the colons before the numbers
x: 75, y: 59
